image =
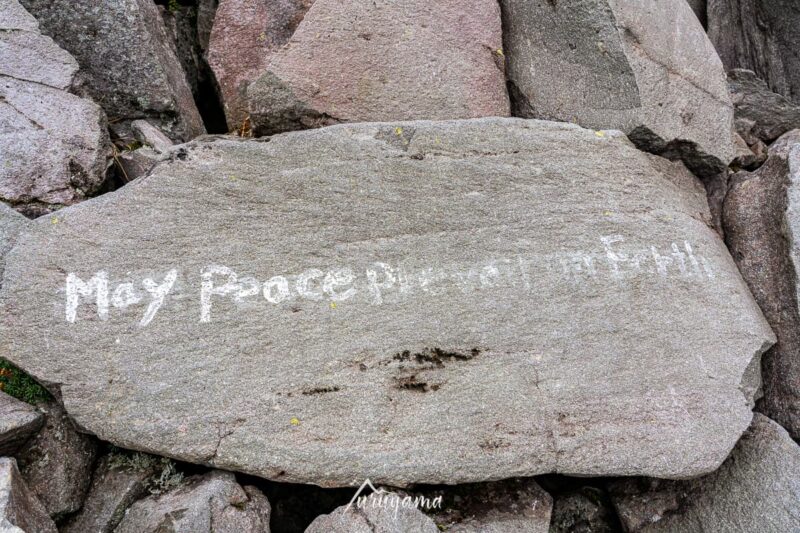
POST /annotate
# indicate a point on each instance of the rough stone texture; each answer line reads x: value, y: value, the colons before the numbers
x: 762, y: 36
x: 747, y: 157
x: 113, y: 490
x: 373, y: 519
x: 53, y: 145
x: 181, y: 24
x: 245, y: 35
x: 11, y: 223
x: 371, y: 60
x: 587, y: 510
x: 699, y: 8
x: 762, y: 223
x: 18, y: 421
x: 206, y: 12
x: 128, y: 63
x: 646, y: 68
x: 756, y: 489
x: 497, y: 507
x: 760, y: 113
x: 535, y: 278
x: 57, y: 463
x: 137, y: 163
x: 148, y: 134
x: 20, y: 511
x: 211, y: 503
x: 27, y: 55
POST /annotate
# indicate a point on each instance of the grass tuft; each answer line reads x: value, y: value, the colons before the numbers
x: 20, y: 385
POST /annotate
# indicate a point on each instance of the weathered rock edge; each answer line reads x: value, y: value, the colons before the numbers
x: 582, y: 374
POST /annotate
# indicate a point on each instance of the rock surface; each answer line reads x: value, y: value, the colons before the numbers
x: 760, y: 113
x: 128, y: 64
x: 756, y: 489
x: 699, y: 8
x: 20, y: 511
x: 11, y: 223
x: 244, y: 37
x: 374, y: 519
x: 585, y: 510
x: 621, y: 64
x: 761, y: 219
x: 53, y: 144
x: 113, y: 489
x: 151, y: 136
x: 309, y: 306
x: 370, y: 60
x: 497, y: 507
x: 18, y: 421
x: 137, y: 163
x: 57, y: 463
x: 211, y: 503
x: 762, y: 36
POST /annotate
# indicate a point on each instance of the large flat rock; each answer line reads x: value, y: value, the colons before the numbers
x: 646, y: 68
x: 410, y: 302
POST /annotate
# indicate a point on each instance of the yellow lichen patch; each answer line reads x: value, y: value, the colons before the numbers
x: 333, y: 305
x: 294, y: 421
x: 54, y: 221
x: 607, y: 213
x: 600, y: 133
x: 499, y: 52
x: 398, y: 131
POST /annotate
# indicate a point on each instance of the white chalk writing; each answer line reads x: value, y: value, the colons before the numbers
x: 379, y: 282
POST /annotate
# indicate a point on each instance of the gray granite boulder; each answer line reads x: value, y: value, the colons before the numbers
x: 369, y: 60
x: 57, y: 463
x: 762, y: 36
x: 506, y: 506
x: 18, y: 422
x: 128, y: 63
x: 115, y: 487
x: 760, y: 113
x: 245, y: 35
x: 211, y: 503
x: 761, y: 218
x: 756, y: 489
x: 53, y: 144
x: 384, y: 513
x: 622, y: 64
x: 335, y: 304
x: 20, y: 511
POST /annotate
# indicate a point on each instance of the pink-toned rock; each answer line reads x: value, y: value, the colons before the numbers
x: 245, y: 35
x: 380, y: 60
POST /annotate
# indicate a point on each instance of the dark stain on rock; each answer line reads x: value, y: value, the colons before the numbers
x: 320, y: 390
x: 436, y: 356
x: 411, y: 383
